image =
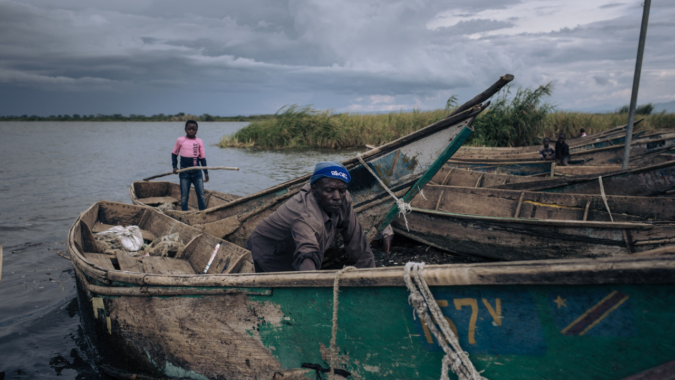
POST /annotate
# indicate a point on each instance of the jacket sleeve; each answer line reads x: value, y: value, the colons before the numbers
x: 202, y: 161
x: 356, y: 243
x: 306, y: 245
x: 174, y: 160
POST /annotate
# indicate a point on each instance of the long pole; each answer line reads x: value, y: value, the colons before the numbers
x: 636, y: 82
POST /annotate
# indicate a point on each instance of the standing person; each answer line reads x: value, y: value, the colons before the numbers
x: 562, y: 151
x: 296, y: 236
x: 191, y: 151
x: 547, y: 153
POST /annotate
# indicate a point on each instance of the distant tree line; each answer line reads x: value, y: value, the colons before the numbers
x: 181, y: 116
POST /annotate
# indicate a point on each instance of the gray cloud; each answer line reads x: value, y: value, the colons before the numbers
x: 147, y: 56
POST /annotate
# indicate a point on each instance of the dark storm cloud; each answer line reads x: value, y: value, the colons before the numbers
x: 227, y: 57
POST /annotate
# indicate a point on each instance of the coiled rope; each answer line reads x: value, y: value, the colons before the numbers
x: 403, y: 207
x: 423, y: 301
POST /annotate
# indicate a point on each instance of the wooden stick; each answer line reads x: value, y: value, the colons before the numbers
x: 191, y: 168
x: 0, y: 262
x: 520, y: 204
x: 586, y: 210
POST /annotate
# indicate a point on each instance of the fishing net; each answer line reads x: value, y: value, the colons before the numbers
x: 168, y: 206
x: 109, y: 244
x: 167, y: 245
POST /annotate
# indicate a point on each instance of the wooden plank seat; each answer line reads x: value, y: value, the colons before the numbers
x: 151, y: 201
x: 99, y: 259
x: 166, y: 265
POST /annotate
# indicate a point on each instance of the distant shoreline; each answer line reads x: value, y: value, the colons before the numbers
x: 136, y: 118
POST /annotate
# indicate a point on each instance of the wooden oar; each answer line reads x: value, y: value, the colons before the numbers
x: 191, y: 168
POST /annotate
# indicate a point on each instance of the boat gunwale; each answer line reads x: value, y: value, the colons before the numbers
x: 542, y: 222
x: 585, y: 152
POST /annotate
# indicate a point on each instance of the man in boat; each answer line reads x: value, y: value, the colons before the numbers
x: 562, y: 151
x: 547, y: 153
x: 191, y: 151
x: 582, y: 133
x: 296, y: 236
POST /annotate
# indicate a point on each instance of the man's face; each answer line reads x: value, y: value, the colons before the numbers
x: 561, y: 139
x: 546, y: 142
x: 330, y: 193
x: 191, y: 131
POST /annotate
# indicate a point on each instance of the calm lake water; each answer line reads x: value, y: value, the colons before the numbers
x: 53, y: 171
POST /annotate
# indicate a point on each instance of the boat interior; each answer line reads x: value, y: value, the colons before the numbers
x: 197, y: 252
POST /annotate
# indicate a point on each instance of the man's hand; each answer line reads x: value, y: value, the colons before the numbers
x: 175, y: 170
x: 207, y: 177
x: 307, y: 264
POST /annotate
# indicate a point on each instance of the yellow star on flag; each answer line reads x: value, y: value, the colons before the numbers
x: 560, y: 301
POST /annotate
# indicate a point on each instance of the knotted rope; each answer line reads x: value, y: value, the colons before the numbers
x: 403, y: 207
x: 333, y: 337
x: 423, y: 301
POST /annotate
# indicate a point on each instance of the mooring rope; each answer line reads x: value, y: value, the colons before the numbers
x: 403, y: 207
x: 423, y: 301
x: 333, y: 337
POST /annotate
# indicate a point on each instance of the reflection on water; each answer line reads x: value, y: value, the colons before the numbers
x: 53, y: 171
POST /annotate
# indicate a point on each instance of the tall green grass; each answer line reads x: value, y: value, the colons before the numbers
x: 513, y: 119
x: 295, y: 126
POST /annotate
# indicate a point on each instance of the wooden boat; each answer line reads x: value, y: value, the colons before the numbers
x: 154, y: 194
x: 404, y: 165
x: 606, y: 318
x: 646, y: 181
x: 643, y: 152
x: 515, y: 225
x: 612, y: 137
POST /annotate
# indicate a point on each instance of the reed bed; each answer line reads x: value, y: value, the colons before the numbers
x: 519, y: 120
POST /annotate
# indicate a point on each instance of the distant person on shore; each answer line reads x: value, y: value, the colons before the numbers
x: 191, y: 151
x: 547, y: 153
x: 562, y: 151
x: 582, y: 133
x: 296, y: 236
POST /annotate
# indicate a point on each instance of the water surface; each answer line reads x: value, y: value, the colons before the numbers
x: 53, y: 171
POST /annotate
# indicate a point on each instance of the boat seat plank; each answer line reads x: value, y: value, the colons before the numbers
x: 99, y: 259
x: 151, y: 201
x: 128, y: 263
x: 100, y: 227
x: 229, y: 258
x: 166, y: 265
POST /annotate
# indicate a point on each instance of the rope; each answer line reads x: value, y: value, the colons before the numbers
x: 333, y: 336
x: 604, y: 198
x: 403, y: 207
x: 423, y: 302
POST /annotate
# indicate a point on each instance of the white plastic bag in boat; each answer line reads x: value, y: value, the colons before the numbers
x: 130, y: 236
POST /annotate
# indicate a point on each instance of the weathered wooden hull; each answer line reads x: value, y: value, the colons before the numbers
x: 600, y: 140
x: 531, y: 168
x: 156, y: 193
x: 641, y: 150
x: 648, y: 181
x: 555, y: 319
x: 515, y: 225
x: 402, y: 164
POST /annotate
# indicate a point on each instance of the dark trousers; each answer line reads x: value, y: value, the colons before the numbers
x: 186, y: 179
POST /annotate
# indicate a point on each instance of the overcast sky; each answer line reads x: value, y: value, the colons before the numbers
x: 251, y: 57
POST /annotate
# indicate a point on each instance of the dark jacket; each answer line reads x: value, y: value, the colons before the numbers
x: 301, y: 229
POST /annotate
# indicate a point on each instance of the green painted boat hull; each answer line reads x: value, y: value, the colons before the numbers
x: 510, y: 331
